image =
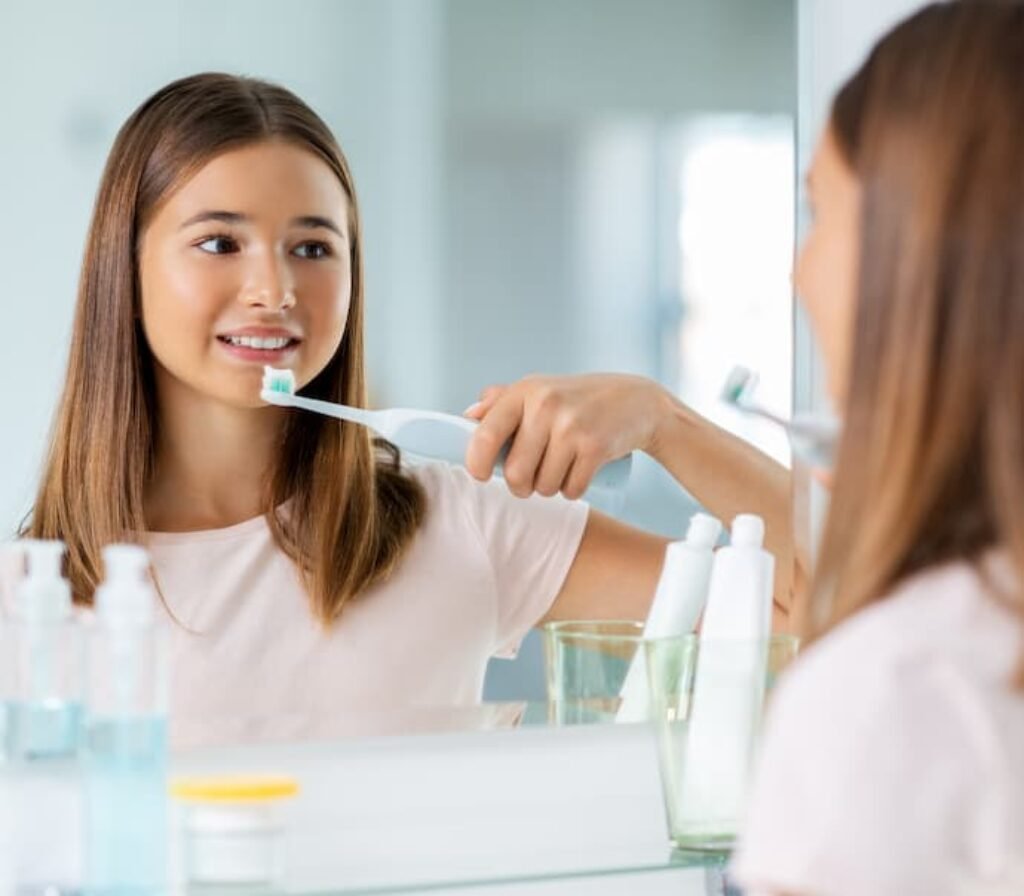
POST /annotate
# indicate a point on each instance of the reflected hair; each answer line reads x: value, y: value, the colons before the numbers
x: 930, y: 468
x: 351, y: 509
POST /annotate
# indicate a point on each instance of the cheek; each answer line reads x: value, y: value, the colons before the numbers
x: 180, y: 301
x: 826, y: 283
x: 327, y: 299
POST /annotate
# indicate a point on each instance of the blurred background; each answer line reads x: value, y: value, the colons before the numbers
x: 549, y: 186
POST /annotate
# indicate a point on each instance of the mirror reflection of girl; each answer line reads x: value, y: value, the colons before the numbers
x: 891, y: 761
x: 306, y: 571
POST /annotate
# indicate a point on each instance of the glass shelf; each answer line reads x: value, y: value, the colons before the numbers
x: 702, y: 874
x: 447, y: 810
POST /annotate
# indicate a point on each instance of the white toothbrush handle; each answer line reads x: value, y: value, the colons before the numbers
x: 611, y: 477
x: 327, y: 408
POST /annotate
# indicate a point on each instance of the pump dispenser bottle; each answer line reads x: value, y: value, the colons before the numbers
x: 42, y: 774
x: 126, y: 734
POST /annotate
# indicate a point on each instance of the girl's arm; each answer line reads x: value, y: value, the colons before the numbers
x: 565, y: 428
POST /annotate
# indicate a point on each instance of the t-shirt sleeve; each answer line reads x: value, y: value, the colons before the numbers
x: 851, y: 796
x: 530, y: 544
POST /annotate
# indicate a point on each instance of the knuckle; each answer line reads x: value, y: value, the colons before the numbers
x: 548, y: 399
x: 564, y: 427
x: 588, y: 445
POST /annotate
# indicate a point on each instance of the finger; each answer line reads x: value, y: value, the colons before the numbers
x: 525, y: 455
x: 488, y: 398
x: 580, y: 476
x: 495, y: 429
x: 554, y: 468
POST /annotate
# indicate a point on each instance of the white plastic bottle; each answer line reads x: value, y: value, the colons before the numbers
x: 728, y: 685
x: 678, y: 601
x: 126, y: 733
x: 42, y: 777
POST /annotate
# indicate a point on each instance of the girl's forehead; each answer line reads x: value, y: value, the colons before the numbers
x: 269, y: 178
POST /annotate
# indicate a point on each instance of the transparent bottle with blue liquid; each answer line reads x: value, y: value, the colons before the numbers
x: 126, y: 731
x: 40, y: 777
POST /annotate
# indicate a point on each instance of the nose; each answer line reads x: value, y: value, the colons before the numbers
x: 269, y: 284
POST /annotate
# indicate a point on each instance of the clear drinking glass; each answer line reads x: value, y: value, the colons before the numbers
x: 587, y: 662
x: 707, y: 702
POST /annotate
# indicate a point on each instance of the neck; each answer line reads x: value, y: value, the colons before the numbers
x: 212, y: 462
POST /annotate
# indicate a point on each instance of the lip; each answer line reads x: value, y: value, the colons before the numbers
x: 262, y: 333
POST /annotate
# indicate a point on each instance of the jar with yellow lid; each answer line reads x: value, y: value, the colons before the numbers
x: 233, y: 828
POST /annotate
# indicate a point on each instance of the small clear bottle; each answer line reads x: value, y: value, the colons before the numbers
x: 12, y: 571
x: 126, y: 732
x: 42, y: 774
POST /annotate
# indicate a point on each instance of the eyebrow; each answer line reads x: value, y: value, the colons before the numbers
x: 225, y: 217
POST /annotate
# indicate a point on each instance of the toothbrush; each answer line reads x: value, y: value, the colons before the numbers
x: 813, y: 437
x: 428, y: 434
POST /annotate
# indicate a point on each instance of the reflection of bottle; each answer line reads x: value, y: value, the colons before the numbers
x: 728, y: 685
x: 42, y: 777
x: 678, y: 601
x: 126, y: 735
x: 12, y: 569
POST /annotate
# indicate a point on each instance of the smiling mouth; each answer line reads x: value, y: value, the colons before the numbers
x: 268, y: 344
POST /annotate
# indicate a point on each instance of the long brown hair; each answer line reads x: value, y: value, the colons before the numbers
x: 352, y: 511
x: 931, y: 464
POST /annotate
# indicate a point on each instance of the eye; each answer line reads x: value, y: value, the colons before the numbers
x: 313, y: 250
x: 218, y: 245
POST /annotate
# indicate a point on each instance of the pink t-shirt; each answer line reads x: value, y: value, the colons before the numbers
x: 892, y: 758
x: 482, y: 570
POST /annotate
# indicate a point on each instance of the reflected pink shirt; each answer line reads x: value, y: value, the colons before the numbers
x: 482, y: 570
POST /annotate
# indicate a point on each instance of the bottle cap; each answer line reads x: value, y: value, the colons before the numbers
x: 747, y: 531
x: 241, y: 789
x: 703, y: 531
x: 44, y: 596
x: 126, y: 594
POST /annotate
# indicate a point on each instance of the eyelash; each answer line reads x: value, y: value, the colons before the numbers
x: 324, y: 249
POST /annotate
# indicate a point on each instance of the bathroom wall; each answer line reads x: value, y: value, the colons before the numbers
x: 508, y: 158
x: 470, y: 126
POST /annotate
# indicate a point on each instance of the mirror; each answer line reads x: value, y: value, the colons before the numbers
x: 546, y: 187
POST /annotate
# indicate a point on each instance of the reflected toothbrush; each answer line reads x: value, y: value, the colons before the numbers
x: 813, y: 437
x: 428, y: 434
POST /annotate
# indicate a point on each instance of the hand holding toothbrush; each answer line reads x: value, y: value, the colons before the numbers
x: 426, y: 434
x: 561, y: 430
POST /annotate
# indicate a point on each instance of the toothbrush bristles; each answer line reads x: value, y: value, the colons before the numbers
x: 738, y: 384
x: 278, y: 381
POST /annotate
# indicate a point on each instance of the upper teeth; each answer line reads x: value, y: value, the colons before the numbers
x: 255, y: 342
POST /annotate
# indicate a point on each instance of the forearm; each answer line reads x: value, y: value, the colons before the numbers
x: 728, y: 476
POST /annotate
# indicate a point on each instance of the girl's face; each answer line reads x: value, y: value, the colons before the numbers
x: 827, y: 266
x: 247, y: 264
